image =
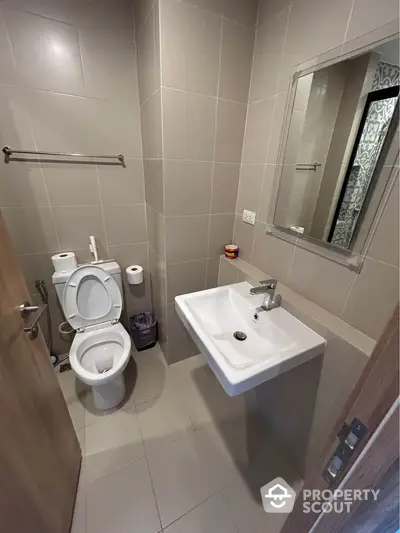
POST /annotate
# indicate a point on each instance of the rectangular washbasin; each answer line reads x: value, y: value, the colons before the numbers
x: 275, y: 341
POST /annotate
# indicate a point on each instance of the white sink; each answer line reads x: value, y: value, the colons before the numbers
x: 275, y: 343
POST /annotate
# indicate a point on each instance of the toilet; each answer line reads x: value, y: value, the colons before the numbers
x: 91, y: 298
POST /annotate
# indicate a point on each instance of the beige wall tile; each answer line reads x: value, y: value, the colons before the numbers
x: 279, y: 111
x: 156, y: 230
x: 158, y: 273
x: 72, y: 184
x: 148, y: 58
x: 243, y: 12
x: 183, y: 278
x: 39, y: 64
x: 104, y: 65
x: 119, y: 185
x: 243, y: 236
x: 268, y: 56
x: 84, y: 125
x: 180, y: 345
x: 385, y: 243
x: 228, y: 273
x: 225, y: 187
x: 125, y: 224
x: 137, y: 297
x: 31, y: 229
x: 215, y: 6
x: 131, y: 254
x: 190, y: 41
x: 221, y: 233
x: 15, y: 120
x: 268, y: 9
x: 192, y: 136
x: 6, y: 54
x: 151, y: 126
x: 236, y: 58
x: 250, y: 187
x: 372, y: 298
x: 37, y: 266
x: 368, y: 15
x: 256, y: 138
x: 230, y: 128
x: 187, y: 238
x: 141, y: 10
x: 331, y: 20
x: 187, y: 187
x: 74, y: 225
x: 271, y: 255
x: 212, y: 273
x: 154, y: 186
x: 22, y: 185
x: 324, y: 282
x: 267, y: 192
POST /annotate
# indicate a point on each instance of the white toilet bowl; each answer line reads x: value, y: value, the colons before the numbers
x: 92, y: 303
x: 99, y: 358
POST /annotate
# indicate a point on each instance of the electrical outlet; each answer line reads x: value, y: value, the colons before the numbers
x: 249, y: 217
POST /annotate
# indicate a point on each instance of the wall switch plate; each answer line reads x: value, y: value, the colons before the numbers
x: 249, y: 217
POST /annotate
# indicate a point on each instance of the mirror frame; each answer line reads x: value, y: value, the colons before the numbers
x: 352, y: 259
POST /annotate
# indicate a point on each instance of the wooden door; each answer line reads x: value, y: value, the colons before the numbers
x: 39, y: 453
x: 375, y: 393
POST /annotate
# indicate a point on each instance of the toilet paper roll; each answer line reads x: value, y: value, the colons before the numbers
x: 134, y: 274
x: 64, y: 261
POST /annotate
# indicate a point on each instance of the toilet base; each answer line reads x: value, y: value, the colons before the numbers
x: 109, y: 395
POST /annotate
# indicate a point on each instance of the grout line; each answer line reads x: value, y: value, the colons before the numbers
x: 148, y: 98
x: 214, y: 147
x: 347, y: 26
x: 102, y: 212
x: 149, y: 470
x: 216, y: 97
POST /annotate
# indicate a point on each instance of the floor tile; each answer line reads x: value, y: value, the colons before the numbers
x: 112, y: 443
x: 94, y: 415
x: 243, y: 497
x: 151, y: 375
x: 79, y: 518
x: 162, y: 420
x: 210, y: 516
x: 203, y: 396
x: 123, y: 502
x: 181, y: 479
x: 77, y: 413
x: 71, y: 387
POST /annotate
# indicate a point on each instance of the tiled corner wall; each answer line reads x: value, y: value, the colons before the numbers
x: 290, y: 33
x: 300, y: 407
x: 68, y: 83
x: 194, y: 73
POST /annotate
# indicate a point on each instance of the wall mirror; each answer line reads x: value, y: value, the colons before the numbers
x: 341, y: 122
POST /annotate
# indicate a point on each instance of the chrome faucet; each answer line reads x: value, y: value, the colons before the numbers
x: 267, y: 288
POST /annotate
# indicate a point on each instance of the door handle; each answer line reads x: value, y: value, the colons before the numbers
x: 25, y: 310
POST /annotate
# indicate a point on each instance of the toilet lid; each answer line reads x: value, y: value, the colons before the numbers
x: 91, y: 297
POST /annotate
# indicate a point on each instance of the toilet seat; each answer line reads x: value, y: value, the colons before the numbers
x: 99, y: 355
x: 92, y: 303
x: 91, y: 297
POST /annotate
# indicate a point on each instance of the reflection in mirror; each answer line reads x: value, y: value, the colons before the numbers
x: 342, y: 122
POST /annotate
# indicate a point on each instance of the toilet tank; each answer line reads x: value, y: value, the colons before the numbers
x: 61, y: 278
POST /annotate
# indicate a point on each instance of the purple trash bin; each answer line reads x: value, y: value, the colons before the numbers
x: 143, y: 330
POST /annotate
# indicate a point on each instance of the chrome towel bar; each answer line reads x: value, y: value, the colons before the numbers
x: 308, y: 166
x: 8, y: 152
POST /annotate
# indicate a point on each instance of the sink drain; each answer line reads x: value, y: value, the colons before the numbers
x: 240, y: 336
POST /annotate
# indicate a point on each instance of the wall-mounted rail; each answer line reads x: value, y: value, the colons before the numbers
x: 8, y: 152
